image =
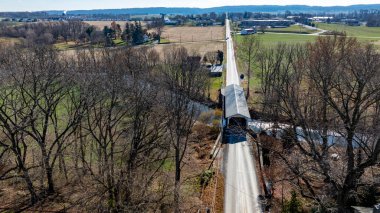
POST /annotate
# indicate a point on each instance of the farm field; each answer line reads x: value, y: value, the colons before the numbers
x: 9, y: 40
x: 200, y: 48
x: 193, y: 34
x: 101, y: 24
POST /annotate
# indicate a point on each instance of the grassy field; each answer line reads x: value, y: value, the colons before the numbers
x: 357, y: 31
x: 362, y: 33
x: 193, y: 34
x: 292, y: 29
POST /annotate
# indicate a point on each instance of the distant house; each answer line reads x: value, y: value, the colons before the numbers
x: 248, y: 31
x: 170, y: 22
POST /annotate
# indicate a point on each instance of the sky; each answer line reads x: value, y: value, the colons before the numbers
x: 39, y: 5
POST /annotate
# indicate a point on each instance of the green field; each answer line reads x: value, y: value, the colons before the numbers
x: 292, y: 29
x: 357, y: 31
x: 272, y: 39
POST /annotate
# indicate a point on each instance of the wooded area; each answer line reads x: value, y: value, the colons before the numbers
x: 328, y: 95
x: 108, y: 119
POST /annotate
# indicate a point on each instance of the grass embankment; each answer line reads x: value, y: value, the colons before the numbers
x: 356, y: 31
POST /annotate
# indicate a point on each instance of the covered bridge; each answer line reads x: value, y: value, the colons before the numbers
x: 235, y: 106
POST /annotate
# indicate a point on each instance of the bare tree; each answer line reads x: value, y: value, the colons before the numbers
x: 127, y: 126
x: 185, y: 81
x: 39, y: 108
x: 249, y: 47
x: 13, y: 146
x: 329, y: 93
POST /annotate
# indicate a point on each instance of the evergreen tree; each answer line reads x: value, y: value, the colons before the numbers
x: 293, y: 205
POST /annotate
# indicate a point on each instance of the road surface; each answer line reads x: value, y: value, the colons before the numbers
x: 241, y: 183
x: 232, y: 73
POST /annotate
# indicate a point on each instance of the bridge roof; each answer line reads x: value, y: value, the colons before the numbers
x: 235, y: 102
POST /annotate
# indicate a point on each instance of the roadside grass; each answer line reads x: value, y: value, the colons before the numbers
x: 164, y: 41
x: 216, y: 84
x: 356, y: 31
x: 255, y: 81
x: 292, y: 29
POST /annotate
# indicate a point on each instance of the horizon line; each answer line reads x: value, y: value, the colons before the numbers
x: 126, y: 8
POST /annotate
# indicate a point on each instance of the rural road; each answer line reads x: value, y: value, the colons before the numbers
x: 241, y: 182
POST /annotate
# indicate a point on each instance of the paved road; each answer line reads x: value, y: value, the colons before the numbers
x: 232, y: 73
x: 241, y: 183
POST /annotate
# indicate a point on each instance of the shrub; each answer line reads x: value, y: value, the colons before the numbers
x: 206, y: 176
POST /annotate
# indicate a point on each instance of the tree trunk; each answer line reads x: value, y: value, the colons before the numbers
x: 177, y: 179
x: 32, y: 191
x: 249, y: 73
x: 344, y: 200
x: 48, y: 170
x: 28, y: 181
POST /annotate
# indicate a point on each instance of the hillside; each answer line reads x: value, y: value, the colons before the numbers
x: 242, y: 8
